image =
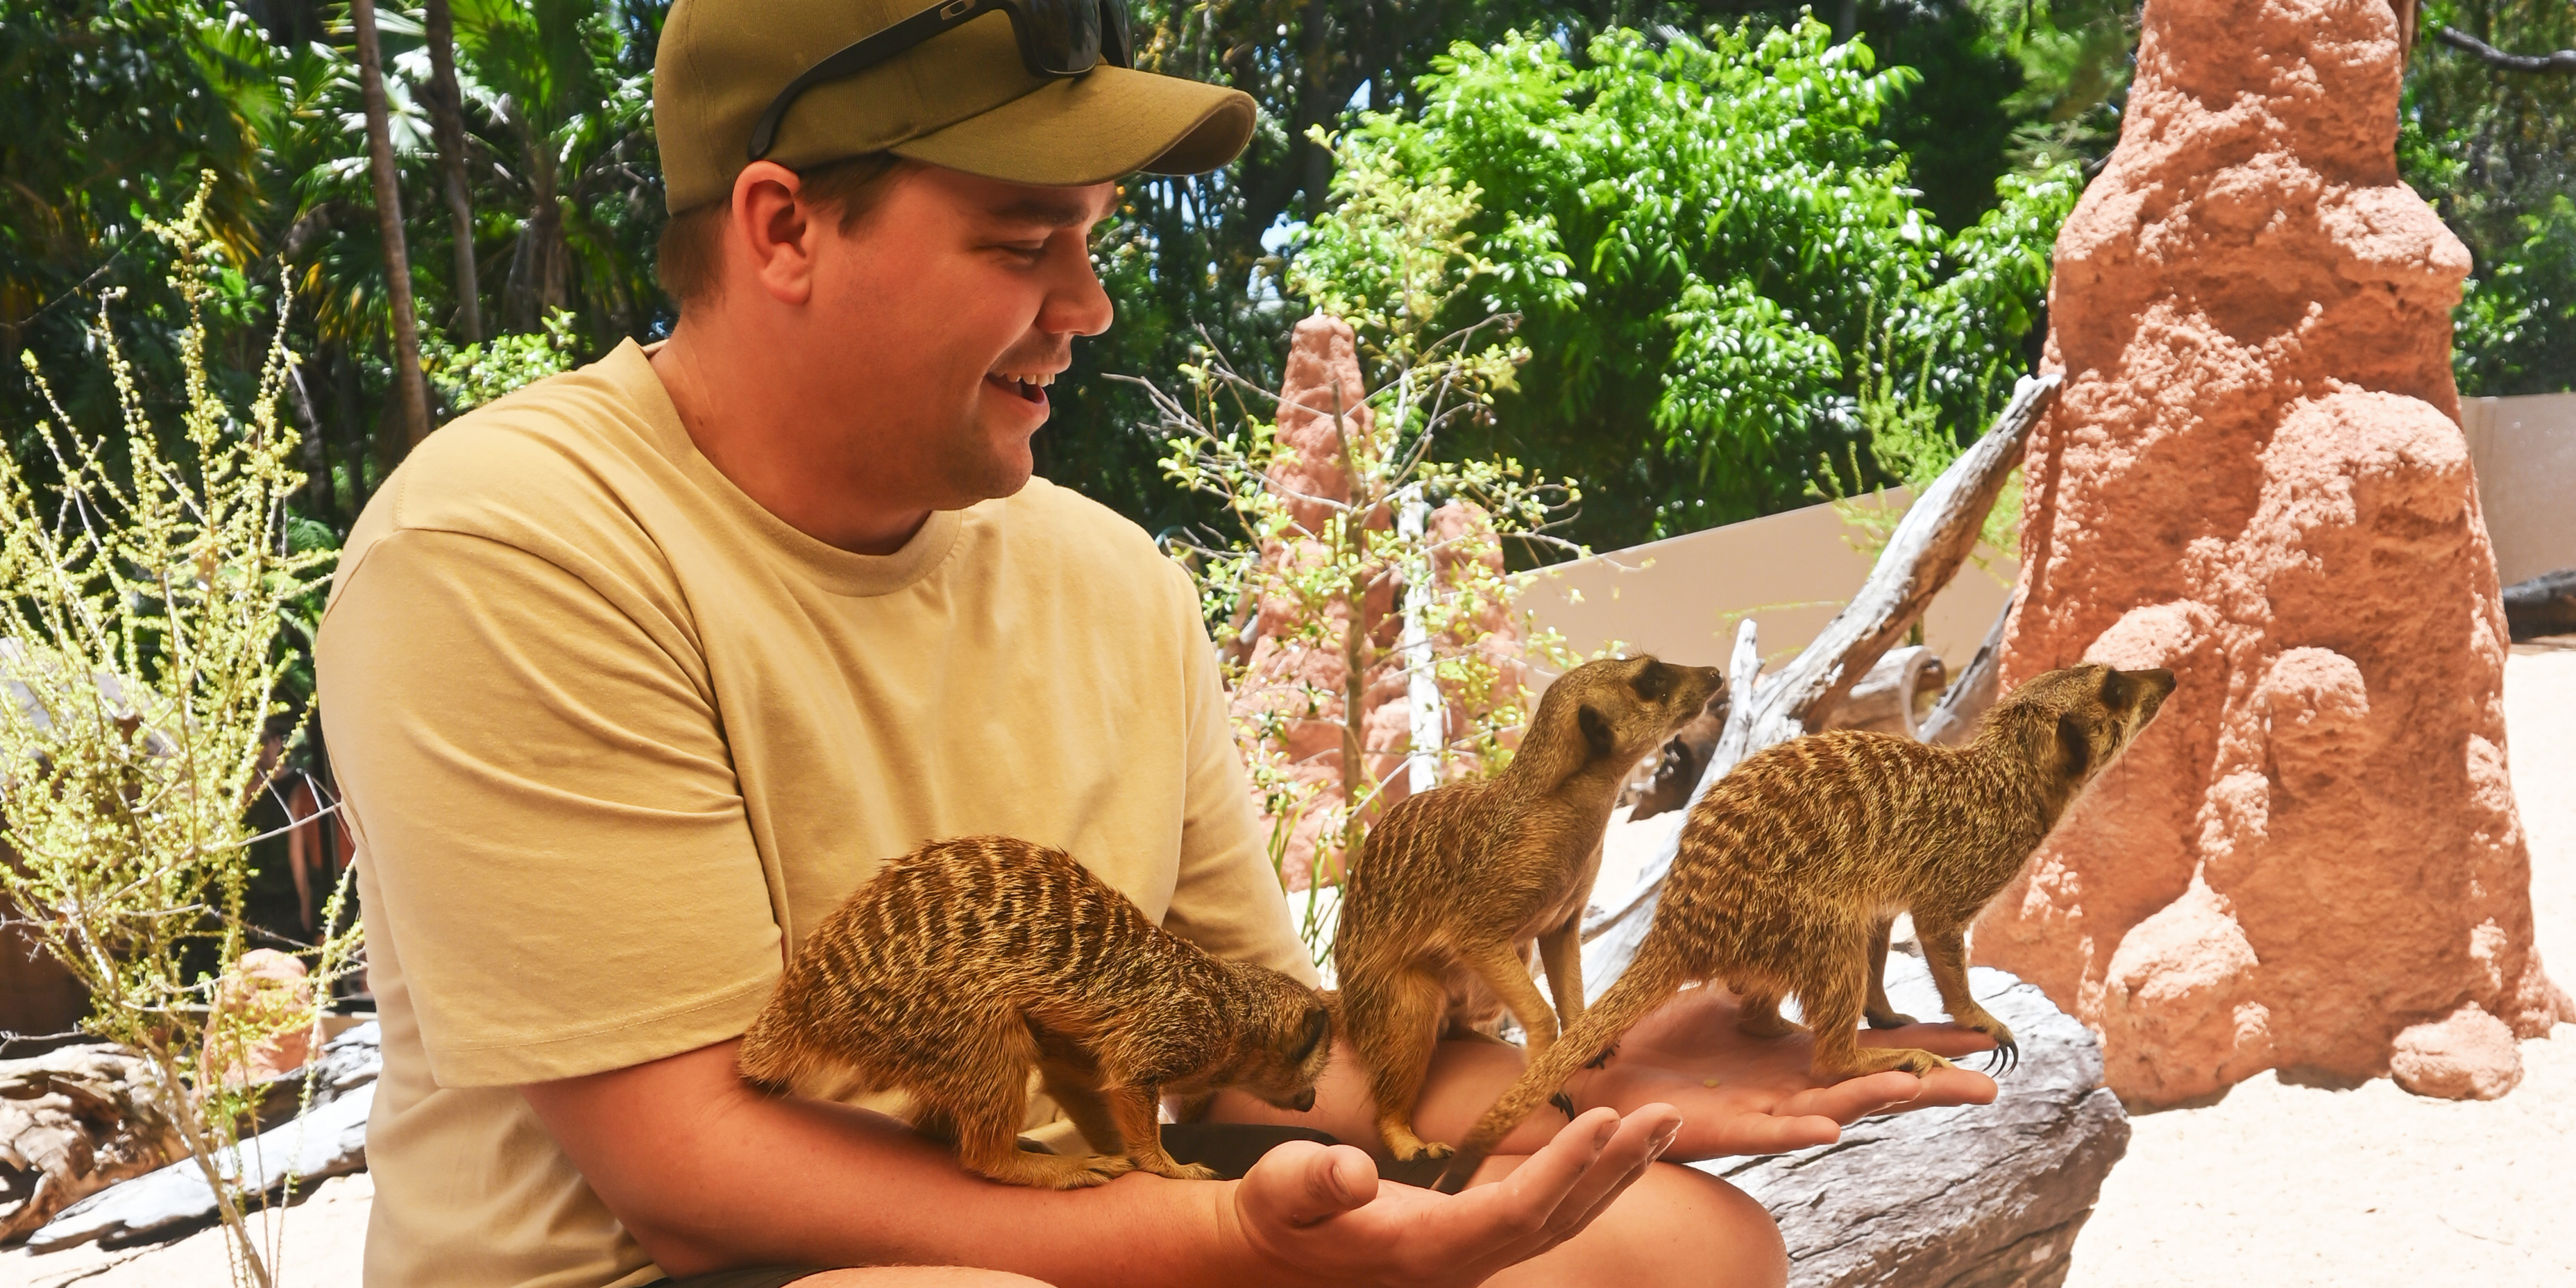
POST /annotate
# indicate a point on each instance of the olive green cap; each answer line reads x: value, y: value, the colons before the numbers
x: 961, y: 100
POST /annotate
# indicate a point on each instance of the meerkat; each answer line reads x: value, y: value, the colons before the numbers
x: 1454, y: 885
x: 965, y: 964
x: 1791, y: 868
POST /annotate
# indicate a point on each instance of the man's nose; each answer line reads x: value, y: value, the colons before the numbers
x: 1076, y: 304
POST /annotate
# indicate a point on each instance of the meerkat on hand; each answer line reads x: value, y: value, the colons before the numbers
x: 1454, y: 885
x: 965, y: 964
x: 1792, y: 867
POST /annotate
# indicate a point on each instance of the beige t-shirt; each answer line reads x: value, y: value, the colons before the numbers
x: 615, y: 738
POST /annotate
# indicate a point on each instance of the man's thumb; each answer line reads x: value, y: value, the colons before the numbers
x: 1300, y: 1182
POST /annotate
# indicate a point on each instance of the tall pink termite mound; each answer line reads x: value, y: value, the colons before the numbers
x: 2256, y: 477
x: 1300, y: 681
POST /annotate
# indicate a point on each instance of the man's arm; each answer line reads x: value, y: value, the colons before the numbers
x: 708, y: 1173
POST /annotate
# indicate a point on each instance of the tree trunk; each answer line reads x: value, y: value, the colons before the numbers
x: 411, y: 393
x: 447, y: 126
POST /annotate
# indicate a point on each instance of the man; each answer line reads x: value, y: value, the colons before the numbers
x: 633, y: 676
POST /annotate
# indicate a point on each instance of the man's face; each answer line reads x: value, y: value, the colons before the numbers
x: 959, y: 298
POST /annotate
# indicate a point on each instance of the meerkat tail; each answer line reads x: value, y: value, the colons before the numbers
x: 1650, y: 981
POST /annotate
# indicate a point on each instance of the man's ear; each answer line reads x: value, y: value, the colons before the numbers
x: 773, y: 233
x: 1597, y: 731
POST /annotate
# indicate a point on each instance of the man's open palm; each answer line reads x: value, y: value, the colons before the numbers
x: 1319, y: 1213
x: 1747, y: 1095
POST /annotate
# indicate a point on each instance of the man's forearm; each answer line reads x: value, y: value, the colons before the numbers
x: 744, y: 1179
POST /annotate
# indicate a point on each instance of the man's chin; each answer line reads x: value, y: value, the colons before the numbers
x: 991, y: 477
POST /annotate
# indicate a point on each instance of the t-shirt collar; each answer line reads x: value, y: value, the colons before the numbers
x: 830, y: 567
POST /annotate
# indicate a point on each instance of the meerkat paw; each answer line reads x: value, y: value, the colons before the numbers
x: 1403, y: 1146
x: 1177, y: 1170
x: 1890, y: 1018
x: 1867, y: 1060
x: 2007, y: 1053
x: 1060, y: 1172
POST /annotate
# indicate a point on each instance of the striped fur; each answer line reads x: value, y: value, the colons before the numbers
x: 965, y: 964
x: 1454, y: 887
x: 1792, y: 867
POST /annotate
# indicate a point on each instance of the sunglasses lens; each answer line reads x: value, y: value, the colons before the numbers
x: 1117, y: 39
x: 1063, y: 34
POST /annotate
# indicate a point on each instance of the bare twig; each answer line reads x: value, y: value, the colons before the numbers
x: 2561, y: 61
x: 1921, y: 557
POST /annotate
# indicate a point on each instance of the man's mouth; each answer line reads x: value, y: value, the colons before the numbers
x: 1029, y: 386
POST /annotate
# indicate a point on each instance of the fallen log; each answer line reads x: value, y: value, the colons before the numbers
x: 2542, y: 605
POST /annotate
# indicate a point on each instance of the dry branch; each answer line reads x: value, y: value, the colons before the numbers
x: 2562, y: 60
x: 1926, y: 550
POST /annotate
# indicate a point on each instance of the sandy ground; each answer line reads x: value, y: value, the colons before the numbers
x: 2275, y: 1185
x: 323, y: 1240
x: 2291, y: 1185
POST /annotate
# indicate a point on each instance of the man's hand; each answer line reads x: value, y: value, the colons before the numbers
x: 1736, y: 1094
x: 1311, y: 1213
x: 1747, y: 1095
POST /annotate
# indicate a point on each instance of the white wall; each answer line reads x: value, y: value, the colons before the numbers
x: 1680, y: 598
x: 2524, y: 452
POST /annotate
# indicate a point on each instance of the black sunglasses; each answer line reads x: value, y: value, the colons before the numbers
x: 1058, y: 38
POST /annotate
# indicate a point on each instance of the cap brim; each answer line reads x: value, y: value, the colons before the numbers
x: 1102, y: 125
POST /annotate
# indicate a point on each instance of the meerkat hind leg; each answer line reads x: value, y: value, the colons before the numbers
x: 984, y: 1096
x: 1832, y: 996
x: 1503, y: 971
x: 1084, y: 1105
x: 1133, y: 1110
x: 1396, y: 1048
x: 1880, y: 1013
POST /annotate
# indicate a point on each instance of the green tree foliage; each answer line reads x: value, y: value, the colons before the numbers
x: 2494, y: 150
x: 1188, y: 256
x: 1725, y: 279
x: 559, y: 150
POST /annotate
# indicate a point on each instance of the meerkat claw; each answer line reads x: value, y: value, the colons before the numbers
x: 2005, y: 1057
x: 1602, y: 1061
x: 1564, y: 1105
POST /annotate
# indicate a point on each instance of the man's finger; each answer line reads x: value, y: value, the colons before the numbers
x: 1301, y: 1182
x: 1522, y: 1202
x: 1642, y: 1137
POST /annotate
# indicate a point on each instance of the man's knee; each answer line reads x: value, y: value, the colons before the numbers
x: 1687, y: 1227
x: 1676, y: 1226
x: 917, y: 1277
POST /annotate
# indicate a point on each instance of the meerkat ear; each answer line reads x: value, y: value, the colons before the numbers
x: 1597, y: 731
x: 2074, y: 749
x: 1319, y: 1030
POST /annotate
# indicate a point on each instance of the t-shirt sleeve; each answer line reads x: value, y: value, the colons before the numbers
x: 547, y: 809
x: 1227, y: 899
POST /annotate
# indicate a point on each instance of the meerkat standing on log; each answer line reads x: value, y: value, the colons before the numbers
x: 965, y: 964
x: 1792, y: 866
x: 1453, y: 885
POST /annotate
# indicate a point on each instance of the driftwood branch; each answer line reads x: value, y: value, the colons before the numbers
x: 2562, y: 61
x: 1926, y: 550
x: 1955, y: 719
